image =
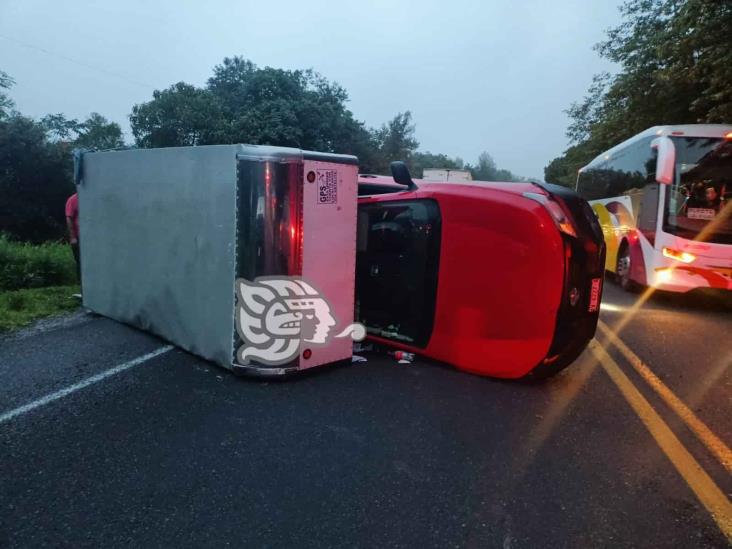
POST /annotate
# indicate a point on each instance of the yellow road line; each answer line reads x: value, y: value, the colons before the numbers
x: 708, y: 493
x: 715, y: 445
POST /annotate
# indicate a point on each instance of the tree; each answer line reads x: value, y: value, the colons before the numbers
x: 242, y: 103
x: 98, y: 133
x: 424, y: 160
x: 178, y: 116
x: 676, y: 68
x: 563, y: 170
x: 395, y: 141
x: 6, y: 104
x: 288, y: 108
x: 486, y: 170
x: 355, y: 138
x: 36, y: 166
x: 681, y: 50
x: 60, y: 128
x: 35, y: 180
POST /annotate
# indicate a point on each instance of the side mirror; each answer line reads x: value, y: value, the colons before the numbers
x: 666, y: 161
x: 401, y: 175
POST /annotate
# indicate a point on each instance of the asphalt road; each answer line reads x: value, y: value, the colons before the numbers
x: 175, y: 452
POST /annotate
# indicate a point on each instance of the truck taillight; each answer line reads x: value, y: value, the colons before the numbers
x: 560, y: 217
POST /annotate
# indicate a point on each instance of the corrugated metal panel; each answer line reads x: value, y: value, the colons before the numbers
x: 158, y: 231
x: 166, y: 232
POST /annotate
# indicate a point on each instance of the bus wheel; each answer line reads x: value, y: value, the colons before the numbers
x: 622, y: 269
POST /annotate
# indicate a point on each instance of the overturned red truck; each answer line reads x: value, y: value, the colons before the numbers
x: 498, y: 279
x: 261, y: 259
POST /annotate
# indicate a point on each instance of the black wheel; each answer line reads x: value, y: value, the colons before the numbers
x: 622, y: 269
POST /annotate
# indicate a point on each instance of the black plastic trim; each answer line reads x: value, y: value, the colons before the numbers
x: 584, y: 261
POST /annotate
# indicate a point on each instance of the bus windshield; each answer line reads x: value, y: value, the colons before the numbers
x: 699, y: 203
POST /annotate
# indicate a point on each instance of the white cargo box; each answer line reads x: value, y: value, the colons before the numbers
x: 244, y: 255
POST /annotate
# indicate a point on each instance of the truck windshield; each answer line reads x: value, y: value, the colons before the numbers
x: 398, y: 250
x: 699, y: 203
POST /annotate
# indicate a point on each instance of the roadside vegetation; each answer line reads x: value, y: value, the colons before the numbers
x: 35, y: 281
x: 675, y: 59
x: 20, y: 308
x: 240, y: 103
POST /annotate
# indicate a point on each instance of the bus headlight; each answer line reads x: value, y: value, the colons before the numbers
x: 664, y: 276
x: 678, y: 255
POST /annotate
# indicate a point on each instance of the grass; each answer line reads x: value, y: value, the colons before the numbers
x: 25, y: 265
x: 19, y: 308
x: 35, y: 281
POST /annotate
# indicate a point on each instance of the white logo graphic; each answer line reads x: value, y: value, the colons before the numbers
x: 275, y: 314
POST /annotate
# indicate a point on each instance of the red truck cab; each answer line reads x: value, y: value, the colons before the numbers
x: 497, y: 279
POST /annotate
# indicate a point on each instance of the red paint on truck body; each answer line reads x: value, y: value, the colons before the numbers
x: 502, y: 270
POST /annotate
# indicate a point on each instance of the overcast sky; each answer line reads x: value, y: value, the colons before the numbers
x: 494, y: 75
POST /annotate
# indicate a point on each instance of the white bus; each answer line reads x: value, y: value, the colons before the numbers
x: 664, y: 201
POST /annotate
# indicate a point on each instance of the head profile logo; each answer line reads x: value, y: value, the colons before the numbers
x: 275, y: 314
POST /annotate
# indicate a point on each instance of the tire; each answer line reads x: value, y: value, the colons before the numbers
x: 622, y: 269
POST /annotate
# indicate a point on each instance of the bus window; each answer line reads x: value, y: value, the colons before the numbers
x: 625, y: 173
x: 594, y: 183
x: 703, y: 179
x: 629, y: 168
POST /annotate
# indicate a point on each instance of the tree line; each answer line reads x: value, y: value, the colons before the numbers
x: 36, y: 166
x: 243, y: 103
x: 675, y: 59
x: 240, y: 103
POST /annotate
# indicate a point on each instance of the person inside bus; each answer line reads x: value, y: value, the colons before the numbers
x: 693, y: 196
x: 683, y: 197
x: 712, y: 200
x: 696, y: 195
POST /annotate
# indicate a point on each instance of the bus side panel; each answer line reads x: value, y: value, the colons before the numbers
x: 609, y: 233
x: 637, y: 260
x: 617, y: 219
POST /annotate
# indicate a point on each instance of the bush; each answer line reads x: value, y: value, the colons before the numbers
x: 27, y: 266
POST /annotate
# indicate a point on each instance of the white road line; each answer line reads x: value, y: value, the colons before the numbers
x: 7, y: 416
